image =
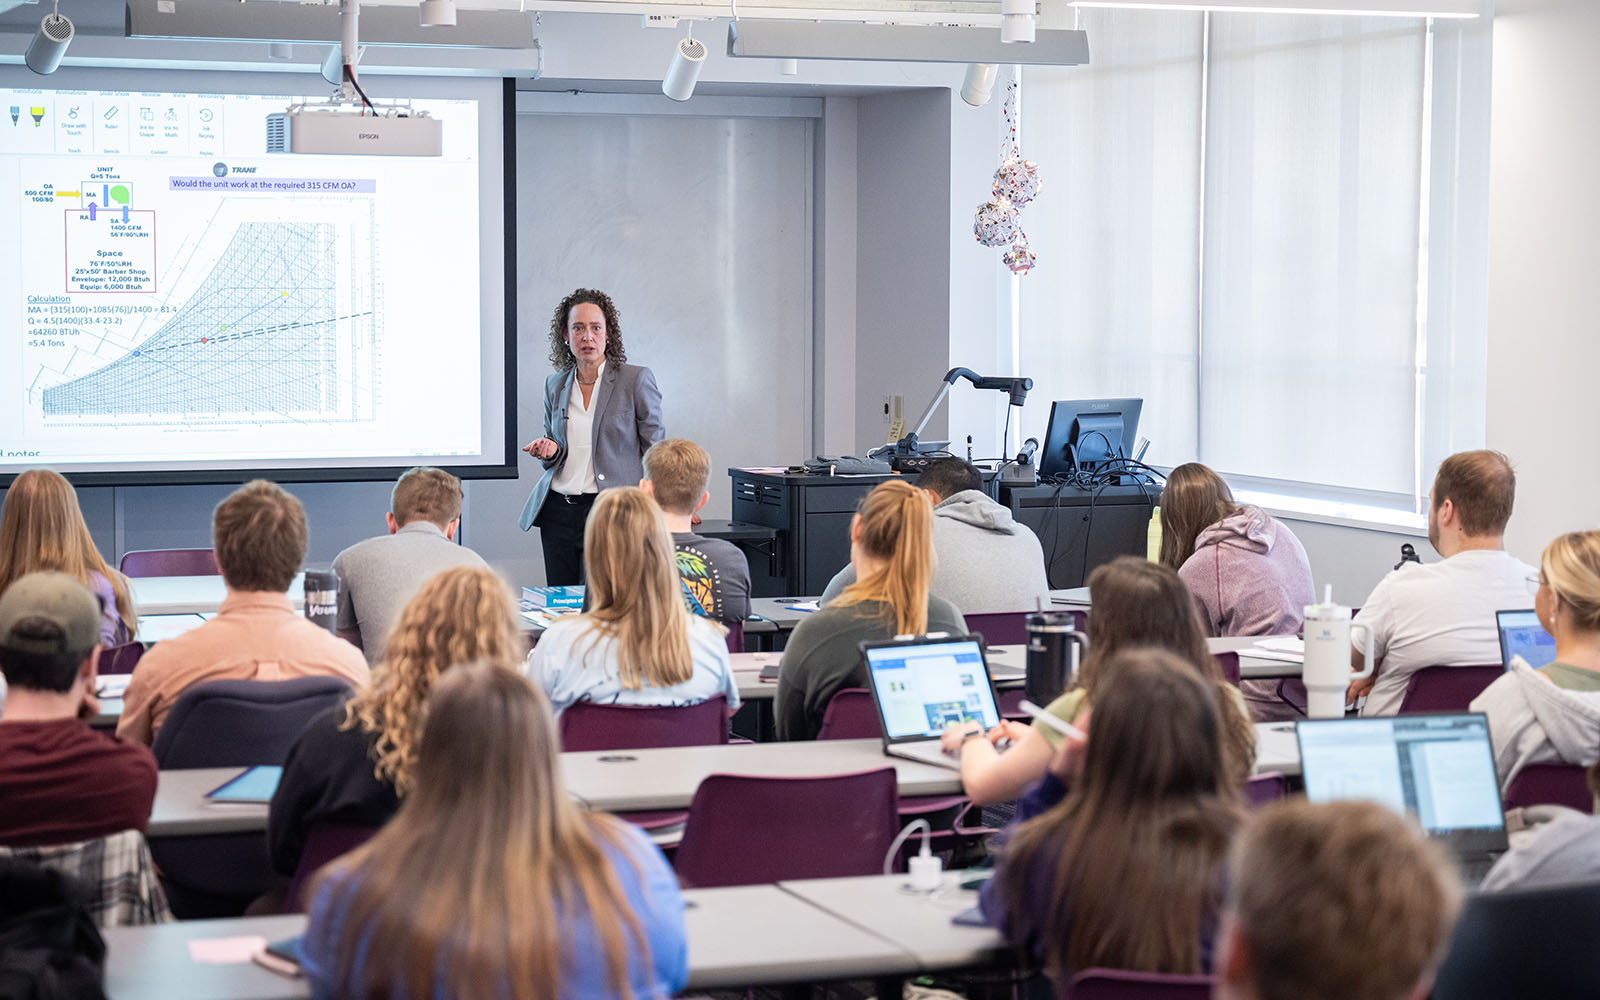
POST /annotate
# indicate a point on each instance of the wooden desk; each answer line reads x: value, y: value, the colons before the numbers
x: 187, y: 595
x: 182, y: 809
x: 921, y: 923
x: 666, y: 778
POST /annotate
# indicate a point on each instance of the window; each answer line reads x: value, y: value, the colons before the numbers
x: 1273, y: 228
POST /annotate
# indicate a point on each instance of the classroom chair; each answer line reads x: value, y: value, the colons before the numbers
x: 242, y: 723
x: 324, y: 842
x: 749, y: 830
x: 1268, y: 786
x: 852, y: 715
x: 1117, y: 984
x: 1447, y: 689
x: 1005, y: 628
x: 588, y: 726
x: 1550, y: 783
x: 169, y: 562
x: 1228, y: 663
x: 1525, y: 943
x: 120, y: 659
x: 117, y: 870
x: 735, y: 636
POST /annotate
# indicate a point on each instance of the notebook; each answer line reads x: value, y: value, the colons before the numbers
x: 1522, y: 635
x: 924, y: 684
x: 1438, y: 768
x: 255, y: 784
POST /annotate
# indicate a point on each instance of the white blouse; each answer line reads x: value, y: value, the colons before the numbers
x: 576, y: 474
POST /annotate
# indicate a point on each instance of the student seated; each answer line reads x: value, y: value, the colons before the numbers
x: 715, y: 573
x: 259, y: 533
x: 1332, y: 902
x: 490, y: 881
x: 60, y: 781
x: 1126, y: 871
x: 891, y: 548
x: 1442, y: 614
x: 1136, y: 603
x: 354, y: 762
x: 379, y: 575
x: 984, y: 561
x: 42, y: 530
x: 1553, y: 713
x: 637, y: 644
x: 1564, y: 849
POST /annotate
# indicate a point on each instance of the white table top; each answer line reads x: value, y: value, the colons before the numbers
x: 187, y: 595
x: 919, y: 922
x: 738, y: 936
x: 181, y: 807
x: 666, y: 778
x: 1007, y: 665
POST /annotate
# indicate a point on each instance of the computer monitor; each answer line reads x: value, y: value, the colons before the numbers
x: 1085, y: 434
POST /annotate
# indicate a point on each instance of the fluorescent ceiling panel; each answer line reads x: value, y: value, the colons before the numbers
x: 1368, y: 8
x: 764, y: 39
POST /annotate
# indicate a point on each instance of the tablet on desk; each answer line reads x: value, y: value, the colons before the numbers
x: 256, y: 785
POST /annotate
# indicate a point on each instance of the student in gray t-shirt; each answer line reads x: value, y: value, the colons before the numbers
x: 378, y: 576
x: 715, y: 573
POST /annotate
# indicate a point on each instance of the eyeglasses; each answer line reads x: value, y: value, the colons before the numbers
x: 1534, y: 582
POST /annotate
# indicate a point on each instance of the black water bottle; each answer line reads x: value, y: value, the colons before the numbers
x: 322, y: 598
x: 1051, y: 634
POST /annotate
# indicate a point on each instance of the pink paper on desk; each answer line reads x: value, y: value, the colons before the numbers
x: 225, y: 951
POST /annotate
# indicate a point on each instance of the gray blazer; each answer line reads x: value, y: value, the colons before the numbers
x: 627, y: 420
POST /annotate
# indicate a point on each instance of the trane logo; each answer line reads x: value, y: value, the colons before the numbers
x: 367, y: 135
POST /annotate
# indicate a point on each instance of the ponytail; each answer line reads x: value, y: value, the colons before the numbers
x: 896, y: 526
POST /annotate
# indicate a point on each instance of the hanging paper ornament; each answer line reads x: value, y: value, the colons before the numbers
x: 995, y: 223
x: 1020, y: 257
x: 1017, y: 181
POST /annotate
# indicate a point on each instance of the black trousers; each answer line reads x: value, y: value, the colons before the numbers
x: 560, y: 523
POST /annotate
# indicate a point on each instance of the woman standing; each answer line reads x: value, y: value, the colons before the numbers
x: 638, y: 644
x: 490, y: 881
x: 600, y: 414
x: 42, y: 528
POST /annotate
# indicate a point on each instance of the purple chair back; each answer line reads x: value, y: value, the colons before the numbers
x: 587, y: 726
x: 1229, y: 663
x: 120, y: 659
x: 851, y: 715
x: 735, y: 636
x: 1263, y: 788
x: 1116, y: 984
x: 1447, y: 689
x: 1550, y: 783
x: 242, y: 723
x: 170, y: 562
x: 324, y: 842
x: 746, y: 830
x: 1003, y: 628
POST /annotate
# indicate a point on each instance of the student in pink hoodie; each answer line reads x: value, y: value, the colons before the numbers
x: 1248, y: 572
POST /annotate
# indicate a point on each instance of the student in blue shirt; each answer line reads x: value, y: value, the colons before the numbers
x: 490, y: 882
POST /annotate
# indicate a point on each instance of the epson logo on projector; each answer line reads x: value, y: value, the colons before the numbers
x: 368, y: 135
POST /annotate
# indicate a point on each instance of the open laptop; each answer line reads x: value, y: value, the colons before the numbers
x: 1522, y: 635
x: 1438, y: 768
x: 924, y: 684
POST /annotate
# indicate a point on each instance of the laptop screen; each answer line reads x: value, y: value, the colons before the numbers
x: 922, y: 687
x: 1438, y: 768
x: 1522, y: 635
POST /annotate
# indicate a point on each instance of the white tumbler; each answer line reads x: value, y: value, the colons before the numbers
x: 1327, y: 672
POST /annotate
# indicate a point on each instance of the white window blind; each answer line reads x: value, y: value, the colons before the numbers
x: 1272, y: 228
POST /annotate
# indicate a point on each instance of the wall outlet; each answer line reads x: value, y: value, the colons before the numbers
x: 894, y: 412
x: 658, y: 20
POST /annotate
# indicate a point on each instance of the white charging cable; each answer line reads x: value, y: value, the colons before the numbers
x: 924, y: 867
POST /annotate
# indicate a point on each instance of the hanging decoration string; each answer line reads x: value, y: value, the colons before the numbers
x: 1016, y: 183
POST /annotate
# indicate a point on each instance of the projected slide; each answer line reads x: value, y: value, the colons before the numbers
x: 180, y: 298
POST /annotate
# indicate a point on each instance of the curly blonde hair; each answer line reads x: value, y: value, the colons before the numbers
x: 461, y: 615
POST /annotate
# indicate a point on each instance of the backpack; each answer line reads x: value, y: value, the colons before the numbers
x: 50, y: 948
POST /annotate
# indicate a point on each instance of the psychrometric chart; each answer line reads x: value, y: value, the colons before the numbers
x: 270, y: 320
x: 258, y: 337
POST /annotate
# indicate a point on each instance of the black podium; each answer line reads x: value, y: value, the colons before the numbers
x: 1079, y: 529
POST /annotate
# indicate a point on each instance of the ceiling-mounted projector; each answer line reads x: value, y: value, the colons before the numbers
x: 382, y: 131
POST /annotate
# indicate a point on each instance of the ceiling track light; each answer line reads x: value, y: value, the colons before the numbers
x: 687, y: 58
x: 978, y: 86
x: 1017, y: 21
x: 437, y: 13
x: 49, y: 43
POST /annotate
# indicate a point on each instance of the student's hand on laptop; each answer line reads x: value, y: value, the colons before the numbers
x: 1067, y: 763
x: 1008, y: 730
x: 951, y: 740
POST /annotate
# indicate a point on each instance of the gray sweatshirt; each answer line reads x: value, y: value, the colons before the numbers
x: 986, y: 561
